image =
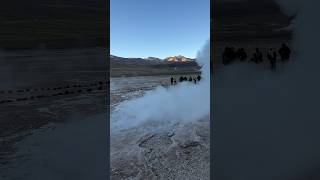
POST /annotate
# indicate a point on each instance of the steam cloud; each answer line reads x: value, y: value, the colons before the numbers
x: 267, y: 124
x: 183, y: 102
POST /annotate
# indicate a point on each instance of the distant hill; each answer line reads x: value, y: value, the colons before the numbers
x: 174, y: 60
x: 134, y: 61
x: 153, y: 59
x: 121, y: 66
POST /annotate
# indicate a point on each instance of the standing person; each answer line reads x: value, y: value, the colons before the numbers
x: 255, y: 57
x: 233, y: 54
x: 171, y: 80
x: 272, y: 56
x: 199, y: 77
x: 226, y: 56
x: 275, y: 57
x: 195, y: 81
x: 241, y: 54
x: 244, y: 55
x: 284, y: 52
x: 181, y: 79
x: 259, y: 55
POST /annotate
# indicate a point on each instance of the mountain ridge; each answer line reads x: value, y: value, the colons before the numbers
x: 178, y: 59
x: 121, y: 66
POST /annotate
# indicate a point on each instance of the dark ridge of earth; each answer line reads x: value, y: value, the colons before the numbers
x: 140, y: 67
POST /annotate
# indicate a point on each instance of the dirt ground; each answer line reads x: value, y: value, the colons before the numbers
x: 44, y: 91
x: 157, y: 150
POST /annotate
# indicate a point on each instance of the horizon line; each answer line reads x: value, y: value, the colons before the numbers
x: 151, y: 57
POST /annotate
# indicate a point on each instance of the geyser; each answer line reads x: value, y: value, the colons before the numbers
x: 183, y: 102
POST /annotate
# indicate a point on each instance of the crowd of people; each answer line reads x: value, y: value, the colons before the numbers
x: 230, y: 54
x: 184, y: 78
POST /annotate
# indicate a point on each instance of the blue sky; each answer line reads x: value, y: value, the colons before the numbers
x: 158, y: 28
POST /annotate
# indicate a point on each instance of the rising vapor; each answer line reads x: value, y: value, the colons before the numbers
x: 184, y: 102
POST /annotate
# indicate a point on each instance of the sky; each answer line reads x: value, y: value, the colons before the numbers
x: 158, y: 28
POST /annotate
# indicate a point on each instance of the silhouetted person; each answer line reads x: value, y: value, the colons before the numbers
x: 225, y: 56
x: 199, y: 77
x: 241, y: 54
x: 228, y: 55
x: 195, y: 81
x: 257, y: 56
x: 233, y: 54
x: 284, y: 52
x: 190, y: 78
x: 171, y: 80
x: 272, y: 56
x: 181, y: 79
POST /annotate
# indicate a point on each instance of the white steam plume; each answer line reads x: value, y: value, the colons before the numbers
x: 183, y: 102
x: 267, y: 124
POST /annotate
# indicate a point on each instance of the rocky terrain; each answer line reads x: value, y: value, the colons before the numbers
x: 172, y: 151
x: 167, y: 150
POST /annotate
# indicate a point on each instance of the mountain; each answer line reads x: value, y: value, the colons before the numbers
x: 121, y: 66
x: 178, y: 59
x: 152, y: 60
x: 133, y: 61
